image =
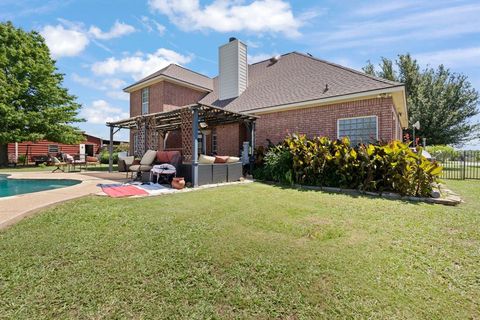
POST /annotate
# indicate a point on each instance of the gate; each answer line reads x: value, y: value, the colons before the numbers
x: 459, y: 165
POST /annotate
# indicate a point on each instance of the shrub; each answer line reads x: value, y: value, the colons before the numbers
x: 278, y: 165
x: 104, y: 157
x: 22, y: 158
x: 122, y: 147
x: 319, y: 161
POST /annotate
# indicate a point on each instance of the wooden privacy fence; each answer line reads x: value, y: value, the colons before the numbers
x: 459, y: 165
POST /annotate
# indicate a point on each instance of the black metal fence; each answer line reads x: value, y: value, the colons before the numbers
x: 459, y: 165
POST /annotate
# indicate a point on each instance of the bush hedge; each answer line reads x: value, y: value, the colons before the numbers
x: 104, y: 157
x: 374, y: 167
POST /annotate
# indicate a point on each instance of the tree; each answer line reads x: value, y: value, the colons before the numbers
x: 443, y: 102
x: 33, y: 103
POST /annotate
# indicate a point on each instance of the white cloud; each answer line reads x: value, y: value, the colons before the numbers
x: 253, y: 44
x: 261, y: 16
x: 112, y: 87
x: 139, y: 65
x: 118, y: 95
x: 424, y: 23
x: 259, y: 57
x: 117, y: 30
x: 68, y: 38
x: 451, y: 58
x: 383, y: 7
x: 64, y: 42
x: 100, y: 111
x: 152, y: 24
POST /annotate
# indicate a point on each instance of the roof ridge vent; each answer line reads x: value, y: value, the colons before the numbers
x: 275, y: 58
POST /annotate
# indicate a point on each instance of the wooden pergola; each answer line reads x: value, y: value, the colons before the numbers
x: 187, y: 119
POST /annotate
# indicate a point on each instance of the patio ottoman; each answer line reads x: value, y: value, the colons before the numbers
x: 219, y: 173
x: 234, y: 171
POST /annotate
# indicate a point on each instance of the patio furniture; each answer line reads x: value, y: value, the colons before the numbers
x: 165, y: 171
x: 40, y: 159
x: 92, y: 161
x: 213, y: 173
x: 234, y: 171
x: 145, y: 163
x: 173, y: 157
x: 60, y: 165
x: 124, y: 164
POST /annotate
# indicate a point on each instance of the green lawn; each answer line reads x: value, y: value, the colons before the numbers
x: 245, y: 251
x: 100, y: 167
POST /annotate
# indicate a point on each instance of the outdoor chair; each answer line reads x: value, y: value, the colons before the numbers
x: 124, y: 164
x: 145, y: 163
x: 172, y: 157
x: 92, y: 161
x: 60, y: 165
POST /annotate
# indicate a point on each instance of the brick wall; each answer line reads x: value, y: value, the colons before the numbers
x: 228, y: 139
x: 322, y: 120
x: 135, y: 103
x: 156, y: 97
x: 164, y: 96
x: 176, y: 95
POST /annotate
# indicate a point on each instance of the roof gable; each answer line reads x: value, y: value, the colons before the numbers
x: 176, y: 73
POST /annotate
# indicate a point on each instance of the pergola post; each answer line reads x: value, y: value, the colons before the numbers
x: 110, y: 151
x: 195, y: 148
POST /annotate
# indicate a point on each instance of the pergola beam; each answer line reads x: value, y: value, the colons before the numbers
x: 171, y: 120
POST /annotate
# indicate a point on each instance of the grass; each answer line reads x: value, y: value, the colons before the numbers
x: 31, y: 168
x: 245, y: 251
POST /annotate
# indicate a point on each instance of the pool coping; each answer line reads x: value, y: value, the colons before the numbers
x: 17, y: 207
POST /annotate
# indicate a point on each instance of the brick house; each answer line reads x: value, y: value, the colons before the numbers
x: 291, y: 93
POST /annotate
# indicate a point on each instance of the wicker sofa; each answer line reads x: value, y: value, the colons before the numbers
x: 213, y: 173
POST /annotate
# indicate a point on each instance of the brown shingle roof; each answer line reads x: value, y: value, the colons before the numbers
x: 296, y: 78
x: 180, y: 73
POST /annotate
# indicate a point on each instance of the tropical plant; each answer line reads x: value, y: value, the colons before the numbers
x: 391, y: 166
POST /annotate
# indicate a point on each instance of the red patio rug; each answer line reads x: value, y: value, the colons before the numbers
x: 123, y: 191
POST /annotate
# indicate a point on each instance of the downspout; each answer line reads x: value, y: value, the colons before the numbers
x: 195, y: 148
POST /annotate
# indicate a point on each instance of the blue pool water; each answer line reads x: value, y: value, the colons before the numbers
x: 11, y: 187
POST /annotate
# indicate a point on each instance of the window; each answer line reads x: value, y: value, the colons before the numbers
x: 53, y: 148
x: 145, y: 94
x: 200, y: 143
x: 214, y: 141
x: 358, y: 130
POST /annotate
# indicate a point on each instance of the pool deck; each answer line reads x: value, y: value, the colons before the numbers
x: 15, y: 208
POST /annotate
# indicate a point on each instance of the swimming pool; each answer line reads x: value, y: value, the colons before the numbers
x: 11, y: 187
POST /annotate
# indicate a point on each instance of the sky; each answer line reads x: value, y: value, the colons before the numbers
x: 103, y: 46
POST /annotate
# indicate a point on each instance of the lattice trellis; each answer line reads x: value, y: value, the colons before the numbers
x: 146, y: 137
x: 186, y: 129
x: 151, y: 135
x: 139, y: 145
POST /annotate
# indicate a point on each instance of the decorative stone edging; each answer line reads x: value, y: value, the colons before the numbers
x: 447, y: 196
